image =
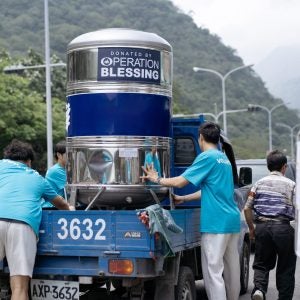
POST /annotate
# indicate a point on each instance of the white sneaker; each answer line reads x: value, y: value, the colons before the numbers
x: 258, y: 295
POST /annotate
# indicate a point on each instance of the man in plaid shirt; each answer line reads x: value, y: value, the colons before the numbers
x: 272, y: 199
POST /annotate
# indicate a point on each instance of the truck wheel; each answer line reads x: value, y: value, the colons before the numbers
x: 186, y: 288
x: 117, y: 284
x: 244, y: 261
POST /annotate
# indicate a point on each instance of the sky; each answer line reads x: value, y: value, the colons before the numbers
x: 253, y: 27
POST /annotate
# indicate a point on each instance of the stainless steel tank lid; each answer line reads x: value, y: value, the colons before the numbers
x: 119, y: 36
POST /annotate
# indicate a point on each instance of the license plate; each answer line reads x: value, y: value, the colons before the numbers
x: 54, y: 289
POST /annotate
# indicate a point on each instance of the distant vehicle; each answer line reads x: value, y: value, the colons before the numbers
x: 260, y: 169
x: 291, y: 170
x: 258, y: 166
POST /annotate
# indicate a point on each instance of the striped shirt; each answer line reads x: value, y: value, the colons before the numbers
x: 273, y: 196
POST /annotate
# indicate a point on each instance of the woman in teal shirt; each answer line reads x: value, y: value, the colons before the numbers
x: 220, y: 217
x: 56, y: 175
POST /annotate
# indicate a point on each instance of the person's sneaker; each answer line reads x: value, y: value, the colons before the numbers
x: 258, y: 295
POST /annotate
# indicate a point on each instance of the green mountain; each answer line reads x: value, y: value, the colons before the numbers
x: 22, y: 28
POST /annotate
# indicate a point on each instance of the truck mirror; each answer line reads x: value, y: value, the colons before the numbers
x: 245, y: 176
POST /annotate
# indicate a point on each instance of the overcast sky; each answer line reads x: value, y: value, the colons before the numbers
x: 253, y: 27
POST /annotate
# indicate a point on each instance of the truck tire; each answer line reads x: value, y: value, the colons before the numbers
x: 244, y: 262
x: 186, y: 287
x: 117, y: 284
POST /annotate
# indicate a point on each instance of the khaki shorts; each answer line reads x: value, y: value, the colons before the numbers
x: 18, y: 243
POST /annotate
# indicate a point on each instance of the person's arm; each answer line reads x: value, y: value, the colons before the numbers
x: 60, y: 203
x: 177, y: 182
x: 248, y: 213
x: 249, y: 220
x: 185, y: 198
x: 152, y: 175
x: 294, y: 196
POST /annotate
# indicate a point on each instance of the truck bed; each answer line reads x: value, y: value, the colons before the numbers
x: 84, y: 241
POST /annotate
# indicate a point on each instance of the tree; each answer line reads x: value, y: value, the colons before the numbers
x: 23, y: 112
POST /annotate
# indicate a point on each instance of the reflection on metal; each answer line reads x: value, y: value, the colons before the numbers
x: 115, y: 162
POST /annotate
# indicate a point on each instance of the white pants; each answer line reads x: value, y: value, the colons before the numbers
x: 18, y: 243
x: 220, y: 257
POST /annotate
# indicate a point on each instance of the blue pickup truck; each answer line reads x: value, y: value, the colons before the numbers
x: 118, y: 114
x: 79, y: 251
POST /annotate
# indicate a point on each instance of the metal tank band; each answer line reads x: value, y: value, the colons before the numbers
x: 119, y: 91
x: 116, y: 163
x: 83, y: 68
x: 103, y: 56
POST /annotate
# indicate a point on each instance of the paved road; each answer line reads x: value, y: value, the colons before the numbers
x: 272, y: 292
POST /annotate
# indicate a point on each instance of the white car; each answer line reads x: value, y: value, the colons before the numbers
x: 260, y: 169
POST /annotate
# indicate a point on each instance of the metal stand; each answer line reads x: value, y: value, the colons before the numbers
x: 102, y: 189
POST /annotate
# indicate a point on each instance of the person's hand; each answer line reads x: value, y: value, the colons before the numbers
x: 71, y: 207
x: 178, y: 199
x: 151, y: 173
x: 252, y: 234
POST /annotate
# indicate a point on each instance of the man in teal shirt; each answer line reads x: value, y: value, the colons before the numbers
x: 56, y: 175
x: 220, y: 217
x: 21, y: 189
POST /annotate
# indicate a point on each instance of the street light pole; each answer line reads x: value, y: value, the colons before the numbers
x: 19, y: 67
x: 269, y: 111
x: 291, y: 136
x: 223, y: 79
x: 216, y: 117
x: 48, y: 88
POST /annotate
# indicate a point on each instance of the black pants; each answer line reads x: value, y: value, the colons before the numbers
x: 275, y: 242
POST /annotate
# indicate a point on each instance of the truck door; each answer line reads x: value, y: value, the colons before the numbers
x: 186, y: 149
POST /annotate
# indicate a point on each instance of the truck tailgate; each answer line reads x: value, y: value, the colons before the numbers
x: 90, y: 233
x: 84, y: 242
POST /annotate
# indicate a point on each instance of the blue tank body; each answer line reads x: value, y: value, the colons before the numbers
x: 119, y: 114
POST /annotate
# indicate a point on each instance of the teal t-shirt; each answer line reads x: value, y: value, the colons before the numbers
x: 57, y: 178
x: 212, y: 173
x: 21, y: 190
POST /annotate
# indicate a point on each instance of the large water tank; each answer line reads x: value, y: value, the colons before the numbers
x: 119, y: 91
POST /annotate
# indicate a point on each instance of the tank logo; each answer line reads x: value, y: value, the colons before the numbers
x: 106, y: 61
x: 68, y: 110
x: 129, y: 64
x: 133, y: 234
